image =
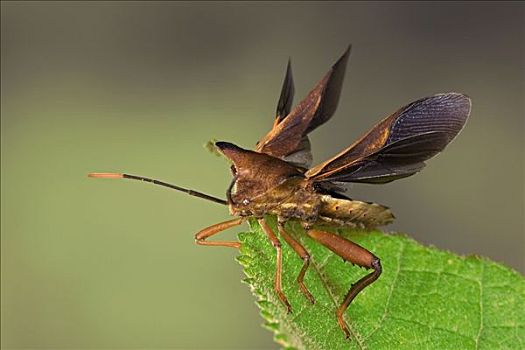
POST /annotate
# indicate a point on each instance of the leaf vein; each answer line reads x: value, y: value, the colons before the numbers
x: 480, y: 283
x: 392, y: 287
x: 431, y: 327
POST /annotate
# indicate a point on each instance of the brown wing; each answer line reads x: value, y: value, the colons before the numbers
x: 287, y: 139
x: 398, y: 145
x: 302, y: 155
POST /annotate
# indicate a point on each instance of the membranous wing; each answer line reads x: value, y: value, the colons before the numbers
x: 399, y: 145
x: 286, y: 99
x: 288, y: 138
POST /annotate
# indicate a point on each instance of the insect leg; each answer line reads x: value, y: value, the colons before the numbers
x: 356, y: 254
x: 279, y: 263
x: 202, y: 235
x: 303, y: 254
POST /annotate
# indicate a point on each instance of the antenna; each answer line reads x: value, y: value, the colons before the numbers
x: 157, y: 182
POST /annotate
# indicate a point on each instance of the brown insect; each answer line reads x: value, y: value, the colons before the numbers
x: 276, y: 177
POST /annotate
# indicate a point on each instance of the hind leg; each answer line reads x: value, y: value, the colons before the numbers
x: 356, y: 254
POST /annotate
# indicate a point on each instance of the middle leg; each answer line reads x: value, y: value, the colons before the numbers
x: 303, y: 254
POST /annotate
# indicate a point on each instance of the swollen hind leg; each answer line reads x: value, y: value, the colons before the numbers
x: 356, y: 254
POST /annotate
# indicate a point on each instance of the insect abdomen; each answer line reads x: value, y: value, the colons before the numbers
x: 354, y: 213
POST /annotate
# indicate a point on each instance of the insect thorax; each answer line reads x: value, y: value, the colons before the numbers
x: 296, y: 200
x: 292, y: 199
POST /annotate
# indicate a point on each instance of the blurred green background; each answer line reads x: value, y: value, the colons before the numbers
x: 141, y: 87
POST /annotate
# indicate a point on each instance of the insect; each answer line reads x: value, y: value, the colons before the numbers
x: 276, y: 177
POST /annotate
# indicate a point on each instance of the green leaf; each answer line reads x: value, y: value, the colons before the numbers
x: 425, y: 298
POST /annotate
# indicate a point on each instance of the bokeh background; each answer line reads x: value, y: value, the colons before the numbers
x: 141, y: 87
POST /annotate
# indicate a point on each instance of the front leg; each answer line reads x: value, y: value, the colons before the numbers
x: 202, y: 235
x: 279, y: 263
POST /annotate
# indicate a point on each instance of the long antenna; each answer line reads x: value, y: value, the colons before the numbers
x: 160, y: 183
